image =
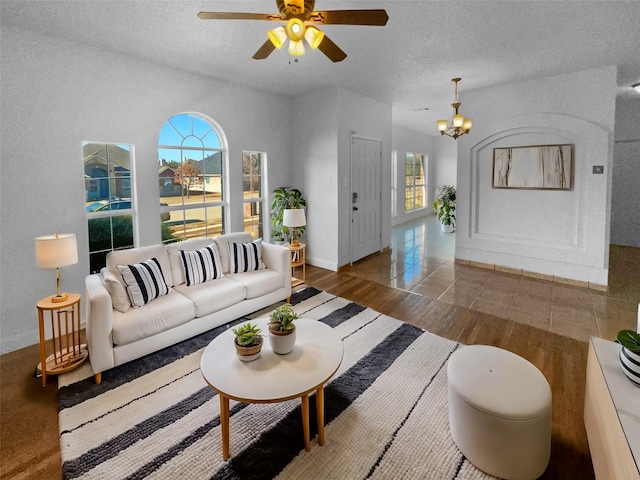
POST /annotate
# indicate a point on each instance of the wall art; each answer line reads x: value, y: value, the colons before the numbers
x: 548, y: 167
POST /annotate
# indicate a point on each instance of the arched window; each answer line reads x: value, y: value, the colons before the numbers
x: 191, y: 159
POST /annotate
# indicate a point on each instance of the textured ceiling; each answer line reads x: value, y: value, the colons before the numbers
x: 408, y: 63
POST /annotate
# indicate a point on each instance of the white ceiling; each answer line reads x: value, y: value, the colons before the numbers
x: 408, y: 63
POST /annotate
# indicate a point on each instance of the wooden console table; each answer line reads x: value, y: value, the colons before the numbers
x: 611, y: 414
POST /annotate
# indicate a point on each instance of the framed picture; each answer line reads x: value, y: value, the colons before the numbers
x: 548, y: 167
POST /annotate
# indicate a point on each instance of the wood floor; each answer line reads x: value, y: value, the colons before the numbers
x: 29, y: 415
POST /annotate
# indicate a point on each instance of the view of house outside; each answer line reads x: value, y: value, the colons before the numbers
x: 191, y: 169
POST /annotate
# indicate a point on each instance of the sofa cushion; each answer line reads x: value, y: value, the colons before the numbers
x: 245, y: 257
x: 119, y: 296
x: 201, y: 265
x: 258, y: 283
x: 144, y: 281
x: 137, y: 255
x: 212, y: 296
x: 162, y: 314
x: 175, y: 259
x: 222, y: 242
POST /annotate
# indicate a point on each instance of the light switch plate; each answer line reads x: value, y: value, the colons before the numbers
x: 598, y: 169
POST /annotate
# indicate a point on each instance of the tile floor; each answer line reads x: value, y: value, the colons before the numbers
x: 421, y: 260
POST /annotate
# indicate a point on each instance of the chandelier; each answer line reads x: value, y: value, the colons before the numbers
x: 459, y: 124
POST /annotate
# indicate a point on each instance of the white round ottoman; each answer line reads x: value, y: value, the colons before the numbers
x: 499, y: 412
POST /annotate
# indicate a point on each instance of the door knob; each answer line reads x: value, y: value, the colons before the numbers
x: 355, y: 208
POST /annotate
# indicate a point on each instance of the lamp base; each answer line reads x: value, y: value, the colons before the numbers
x: 63, y: 297
x: 295, y: 242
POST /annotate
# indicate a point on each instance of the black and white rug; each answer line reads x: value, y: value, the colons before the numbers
x: 386, y: 412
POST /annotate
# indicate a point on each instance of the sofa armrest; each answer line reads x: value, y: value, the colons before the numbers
x: 278, y: 258
x: 99, y: 318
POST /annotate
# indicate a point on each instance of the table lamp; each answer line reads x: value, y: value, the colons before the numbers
x: 292, y: 218
x: 55, y: 251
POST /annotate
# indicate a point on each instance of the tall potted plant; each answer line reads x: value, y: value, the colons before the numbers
x: 444, y: 206
x: 284, y: 198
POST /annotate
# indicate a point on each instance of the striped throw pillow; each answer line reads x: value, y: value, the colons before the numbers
x: 144, y: 281
x: 245, y: 257
x: 201, y: 265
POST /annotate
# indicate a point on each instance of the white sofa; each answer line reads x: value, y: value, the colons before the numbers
x: 121, y: 334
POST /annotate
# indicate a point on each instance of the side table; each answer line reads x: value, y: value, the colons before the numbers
x: 68, y: 351
x: 298, y: 261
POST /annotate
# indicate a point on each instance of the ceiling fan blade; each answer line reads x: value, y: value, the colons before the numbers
x: 331, y: 50
x: 237, y: 16
x: 350, y: 17
x: 264, y: 51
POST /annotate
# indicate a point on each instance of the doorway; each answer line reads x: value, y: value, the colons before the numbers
x: 366, y: 197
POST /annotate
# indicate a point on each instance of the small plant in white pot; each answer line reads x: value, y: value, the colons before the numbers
x: 282, y: 331
x: 630, y: 354
x: 444, y: 206
x: 248, y: 342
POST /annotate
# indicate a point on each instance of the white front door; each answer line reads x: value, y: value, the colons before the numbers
x: 366, y: 185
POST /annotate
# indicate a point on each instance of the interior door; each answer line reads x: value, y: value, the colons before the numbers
x: 366, y: 185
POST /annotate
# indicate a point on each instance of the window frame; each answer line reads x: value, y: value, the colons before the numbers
x: 261, y: 199
x: 111, y: 213
x: 207, y: 151
x: 413, y: 189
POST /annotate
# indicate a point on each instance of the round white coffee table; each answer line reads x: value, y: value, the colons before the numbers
x: 274, y: 378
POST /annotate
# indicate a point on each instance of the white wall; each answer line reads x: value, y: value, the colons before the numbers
x: 322, y: 125
x: 625, y: 197
x: 560, y: 233
x: 368, y: 118
x: 446, y: 160
x: 314, y: 154
x: 407, y: 141
x: 57, y: 94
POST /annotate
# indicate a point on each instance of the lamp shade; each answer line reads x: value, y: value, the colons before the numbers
x: 59, y: 250
x: 294, y: 217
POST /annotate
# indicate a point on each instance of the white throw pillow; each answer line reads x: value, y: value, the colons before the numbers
x: 144, y: 281
x: 201, y: 265
x: 245, y: 257
x: 119, y: 298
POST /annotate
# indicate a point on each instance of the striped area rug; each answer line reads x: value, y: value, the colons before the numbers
x: 386, y: 412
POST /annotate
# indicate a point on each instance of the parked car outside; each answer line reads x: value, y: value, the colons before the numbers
x: 119, y: 204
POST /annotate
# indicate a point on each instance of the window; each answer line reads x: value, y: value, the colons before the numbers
x: 252, y: 192
x: 109, y: 202
x: 191, y: 160
x: 415, y: 182
x: 394, y: 183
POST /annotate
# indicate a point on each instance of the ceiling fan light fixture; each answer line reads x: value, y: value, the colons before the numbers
x: 313, y: 36
x: 277, y: 36
x: 295, y: 29
x: 296, y: 48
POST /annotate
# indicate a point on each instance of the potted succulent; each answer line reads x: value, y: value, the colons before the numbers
x: 630, y: 354
x: 282, y: 331
x: 444, y: 206
x: 283, y: 199
x: 248, y: 342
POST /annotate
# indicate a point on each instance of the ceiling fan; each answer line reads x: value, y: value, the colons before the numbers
x: 300, y: 20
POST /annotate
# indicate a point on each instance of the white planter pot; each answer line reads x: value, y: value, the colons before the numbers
x: 446, y: 228
x: 282, y: 343
x: 630, y: 364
